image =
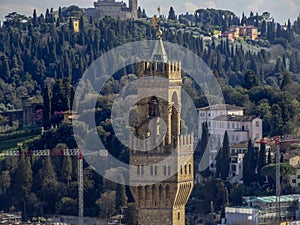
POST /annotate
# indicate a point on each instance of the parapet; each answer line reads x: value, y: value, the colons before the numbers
x: 169, y: 70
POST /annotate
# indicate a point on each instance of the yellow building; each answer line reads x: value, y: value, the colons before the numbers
x: 76, y: 26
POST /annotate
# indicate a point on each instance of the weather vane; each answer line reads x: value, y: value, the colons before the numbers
x: 155, y: 23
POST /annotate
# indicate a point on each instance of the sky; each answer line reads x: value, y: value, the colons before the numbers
x: 281, y: 10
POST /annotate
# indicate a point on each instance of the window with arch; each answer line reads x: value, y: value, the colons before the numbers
x: 190, y: 168
x: 147, y: 190
x: 167, y: 192
x: 153, y: 107
x: 178, y: 215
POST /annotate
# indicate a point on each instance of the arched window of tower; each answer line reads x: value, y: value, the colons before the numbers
x: 175, y: 117
x: 154, y: 107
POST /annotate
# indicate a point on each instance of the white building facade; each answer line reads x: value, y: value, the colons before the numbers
x: 240, y: 129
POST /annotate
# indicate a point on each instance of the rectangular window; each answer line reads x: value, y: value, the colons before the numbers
x: 257, y: 123
x: 169, y: 170
x: 294, y: 181
x: 142, y: 170
x: 138, y: 172
x: 165, y: 170
x: 151, y: 170
x: 298, y: 177
x: 155, y: 170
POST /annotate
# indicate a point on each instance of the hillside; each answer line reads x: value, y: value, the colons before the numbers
x: 42, y: 57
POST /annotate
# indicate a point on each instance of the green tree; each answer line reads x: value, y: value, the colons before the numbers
x: 23, y: 183
x: 48, y: 185
x: 131, y: 214
x: 261, y: 160
x: 202, y: 145
x: 107, y: 204
x: 287, y: 79
x: 34, y: 18
x: 276, y: 120
x: 249, y: 165
x: 121, y: 198
x: 250, y: 80
x: 67, y: 170
x: 5, y: 181
x: 47, y: 109
x: 172, y: 15
x: 67, y: 206
x: 285, y: 171
x: 225, y: 158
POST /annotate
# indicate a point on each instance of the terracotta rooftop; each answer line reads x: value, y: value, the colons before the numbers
x: 235, y: 118
x: 221, y: 107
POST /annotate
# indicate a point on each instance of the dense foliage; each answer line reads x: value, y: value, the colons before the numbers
x: 42, y: 56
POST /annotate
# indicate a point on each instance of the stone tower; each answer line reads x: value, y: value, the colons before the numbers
x: 133, y: 6
x: 161, y: 178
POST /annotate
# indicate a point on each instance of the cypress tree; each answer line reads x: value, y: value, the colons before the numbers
x: 47, y: 109
x: 81, y: 24
x: 204, y: 139
x: 34, y: 19
x: 172, y: 15
x: 286, y: 80
x: 261, y: 160
x: 225, y: 158
x: 22, y: 183
x: 249, y: 165
x: 67, y: 169
x: 121, y: 198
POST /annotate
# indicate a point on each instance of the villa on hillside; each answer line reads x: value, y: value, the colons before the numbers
x: 240, y: 128
x: 235, y: 32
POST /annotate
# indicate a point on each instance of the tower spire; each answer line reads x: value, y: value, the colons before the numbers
x: 159, y: 53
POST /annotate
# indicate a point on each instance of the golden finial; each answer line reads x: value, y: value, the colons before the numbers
x: 155, y: 23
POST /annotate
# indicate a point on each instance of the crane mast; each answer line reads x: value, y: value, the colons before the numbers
x: 278, y: 188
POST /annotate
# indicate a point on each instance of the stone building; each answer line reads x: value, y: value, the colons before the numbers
x: 117, y: 10
x: 161, y: 178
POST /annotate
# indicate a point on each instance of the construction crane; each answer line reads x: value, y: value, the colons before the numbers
x: 66, y: 152
x: 277, y: 142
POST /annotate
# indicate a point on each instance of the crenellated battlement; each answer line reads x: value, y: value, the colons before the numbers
x: 170, y: 70
x: 187, y: 139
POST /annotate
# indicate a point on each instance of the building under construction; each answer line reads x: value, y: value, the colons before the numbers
x: 263, y: 210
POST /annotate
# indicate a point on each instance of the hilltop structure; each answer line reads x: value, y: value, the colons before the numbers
x: 117, y: 10
x: 161, y: 178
